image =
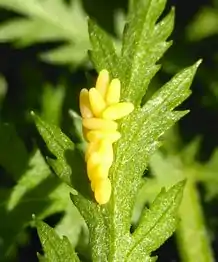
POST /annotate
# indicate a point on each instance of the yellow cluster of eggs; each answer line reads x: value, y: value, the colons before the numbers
x: 100, y: 107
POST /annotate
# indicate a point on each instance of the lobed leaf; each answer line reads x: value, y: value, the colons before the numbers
x: 53, y: 20
x: 59, y: 145
x: 144, y: 42
x: 36, y: 191
x: 66, y: 54
x: 191, y: 227
x: 143, y: 45
x: 103, y: 53
x: 157, y: 223
x: 204, y: 24
x: 55, y: 249
x: 69, y: 167
x: 140, y: 138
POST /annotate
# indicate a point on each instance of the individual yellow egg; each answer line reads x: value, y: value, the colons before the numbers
x: 98, y: 172
x: 103, y: 155
x: 113, y: 92
x: 102, y: 191
x: 99, y: 124
x: 117, y: 111
x: 106, y: 153
x: 112, y: 136
x: 102, y: 82
x: 96, y: 101
x: 93, y: 160
x: 91, y: 148
x: 85, y: 107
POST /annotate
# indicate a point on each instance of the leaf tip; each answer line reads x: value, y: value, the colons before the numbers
x: 32, y: 113
x: 197, y: 64
x: 35, y: 221
x: 181, y: 183
x: 172, y: 12
x: 90, y: 22
x: 179, y: 188
x: 173, y: 9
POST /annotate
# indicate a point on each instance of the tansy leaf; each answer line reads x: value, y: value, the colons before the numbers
x: 36, y: 191
x: 53, y: 20
x: 157, y: 223
x: 69, y: 167
x: 140, y: 138
x: 63, y: 150
x: 203, y: 25
x: 191, y: 227
x: 72, y: 54
x: 144, y: 42
x: 72, y: 224
x: 103, y: 53
x: 208, y: 175
x: 55, y: 248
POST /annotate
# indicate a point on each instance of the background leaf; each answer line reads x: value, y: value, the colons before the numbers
x: 53, y: 21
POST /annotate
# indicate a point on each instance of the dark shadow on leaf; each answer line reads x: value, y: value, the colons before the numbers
x: 79, y: 178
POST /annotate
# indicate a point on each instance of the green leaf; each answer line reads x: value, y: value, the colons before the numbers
x: 191, y: 227
x: 35, y: 174
x: 103, y: 54
x: 52, y: 102
x: 70, y: 167
x: 77, y: 130
x: 208, y: 176
x: 52, y: 20
x: 23, y: 32
x: 157, y: 223
x: 61, y: 147
x: 144, y: 42
x: 204, y: 24
x: 13, y: 154
x: 72, y: 54
x: 55, y: 248
x: 146, y: 194
x: 71, y: 225
x: 140, y: 138
x: 77, y: 124
x: 36, y: 191
x: 67, y: 162
x: 109, y: 225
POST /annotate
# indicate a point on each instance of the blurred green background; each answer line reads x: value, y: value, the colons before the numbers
x: 43, y: 70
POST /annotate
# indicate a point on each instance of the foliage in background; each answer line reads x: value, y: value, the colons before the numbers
x: 46, y: 195
x: 46, y: 21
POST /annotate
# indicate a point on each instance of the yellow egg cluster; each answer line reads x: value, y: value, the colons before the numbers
x: 100, y: 107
